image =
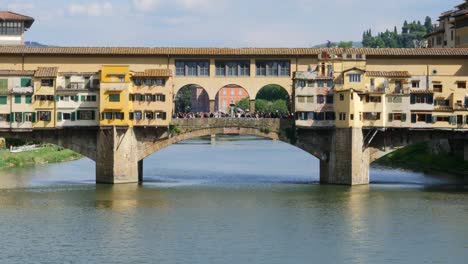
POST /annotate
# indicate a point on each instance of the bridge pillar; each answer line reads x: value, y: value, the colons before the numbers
x: 252, y: 106
x: 140, y: 171
x: 212, y: 106
x: 347, y: 163
x: 116, y: 156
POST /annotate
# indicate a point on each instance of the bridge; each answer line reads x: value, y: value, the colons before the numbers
x: 344, y: 153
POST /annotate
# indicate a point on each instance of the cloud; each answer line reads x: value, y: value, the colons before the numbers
x: 146, y: 5
x: 20, y: 6
x: 196, y: 4
x: 176, y: 21
x: 91, y: 9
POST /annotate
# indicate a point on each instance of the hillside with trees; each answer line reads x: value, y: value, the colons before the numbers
x: 411, y: 36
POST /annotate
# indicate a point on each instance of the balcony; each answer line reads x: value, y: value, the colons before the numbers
x: 22, y: 90
x: 114, y: 87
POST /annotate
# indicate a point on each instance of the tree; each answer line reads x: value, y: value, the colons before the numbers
x: 244, y: 104
x: 272, y: 92
x: 344, y: 44
x: 428, y: 24
x: 184, y: 99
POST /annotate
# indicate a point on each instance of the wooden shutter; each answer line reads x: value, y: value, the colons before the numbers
x: 403, y: 117
x: 413, y: 118
x: 390, y: 117
x: 83, y: 98
x: 33, y: 117
x: 78, y: 114
x: 93, y: 115
x: 413, y: 99
x: 59, y: 116
x: 73, y: 116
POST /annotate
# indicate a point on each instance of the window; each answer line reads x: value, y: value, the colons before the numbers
x: 149, y: 115
x: 148, y: 97
x: 4, y: 117
x: 341, y: 97
x: 375, y: 99
x: 160, y: 82
x: 232, y: 68
x: 427, y: 118
x: 11, y: 28
x: 28, y: 99
x: 122, y: 78
x: 118, y: 116
x: 310, y: 84
x: 66, y: 116
x: 138, y: 115
x: 17, y: 99
x: 18, y: 117
x: 26, y: 82
x: 394, y: 99
x: 461, y: 85
x: 354, y: 78
x: 160, y: 115
x: 396, y: 117
x: 44, y: 115
x: 301, y: 99
x: 438, y: 88
x: 137, y: 82
x: 28, y: 117
x: 330, y: 99
x: 441, y: 102
x: 233, y: 91
x: 3, y: 85
x: 192, y: 68
x: 241, y: 91
x: 160, y: 98
x: 414, y: 84
x: 273, y: 67
x: 422, y: 99
x: 47, y: 82
x: 44, y: 98
x: 342, y: 116
x: 320, y: 84
x: 3, y: 100
x: 371, y: 116
x: 86, y: 115
x: 114, y: 98
x: 320, y: 99
x: 225, y: 91
x: 310, y: 99
x: 107, y: 116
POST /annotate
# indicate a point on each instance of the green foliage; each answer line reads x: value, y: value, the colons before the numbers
x: 416, y: 157
x: 184, y: 99
x: 410, y: 33
x: 244, y: 104
x: 265, y: 130
x: 265, y: 106
x: 341, y: 44
x: 272, y: 92
x: 174, y: 130
x: 41, y: 156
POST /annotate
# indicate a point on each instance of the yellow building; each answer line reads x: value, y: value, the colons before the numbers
x: 115, y: 104
x: 44, y: 97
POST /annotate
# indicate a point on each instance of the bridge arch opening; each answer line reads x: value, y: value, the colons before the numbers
x: 232, y: 94
x: 273, y: 98
x: 192, y: 98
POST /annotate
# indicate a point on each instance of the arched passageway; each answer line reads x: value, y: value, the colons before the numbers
x: 192, y: 98
x: 273, y: 98
x: 230, y: 95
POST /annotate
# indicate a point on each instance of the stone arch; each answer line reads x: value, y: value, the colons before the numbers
x: 82, y: 141
x: 191, y: 98
x: 151, y: 148
x: 231, y: 93
x: 277, y: 92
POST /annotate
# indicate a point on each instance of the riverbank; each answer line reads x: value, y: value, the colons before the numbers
x: 50, y: 154
x: 417, y: 158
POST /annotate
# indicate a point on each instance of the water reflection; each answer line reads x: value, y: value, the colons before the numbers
x: 127, y: 197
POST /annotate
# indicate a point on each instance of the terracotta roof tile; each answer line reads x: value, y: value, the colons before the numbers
x: 154, y: 73
x: 45, y: 72
x: 11, y: 16
x: 397, y: 74
x: 141, y: 51
x: 16, y: 73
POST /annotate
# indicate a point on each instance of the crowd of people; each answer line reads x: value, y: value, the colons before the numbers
x: 256, y: 115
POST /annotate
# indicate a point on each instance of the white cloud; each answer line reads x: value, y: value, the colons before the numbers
x: 91, y: 9
x: 176, y: 21
x: 20, y: 6
x: 146, y: 5
x: 196, y: 4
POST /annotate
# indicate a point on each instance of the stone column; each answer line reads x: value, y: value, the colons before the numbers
x: 212, y: 106
x: 347, y: 163
x: 140, y: 171
x: 252, y: 106
x: 116, y: 156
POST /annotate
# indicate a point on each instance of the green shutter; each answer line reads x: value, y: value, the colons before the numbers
x: 4, y: 86
x: 390, y: 117
x: 28, y: 99
x: 11, y: 117
x: 453, y: 120
x: 23, y: 115
x: 57, y: 98
x: 17, y: 99
x: 26, y: 82
x: 131, y: 115
x: 413, y: 118
x: 75, y: 98
x: 93, y: 115
x: 413, y: 99
x: 3, y: 100
x: 163, y: 115
x: 429, y: 119
x: 73, y: 116
x: 94, y: 98
x: 403, y: 118
x: 33, y: 117
x: 59, y: 116
x: 102, y: 116
x: 83, y: 98
x: 430, y: 99
x: 78, y: 114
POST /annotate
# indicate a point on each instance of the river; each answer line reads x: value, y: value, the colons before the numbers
x: 240, y: 201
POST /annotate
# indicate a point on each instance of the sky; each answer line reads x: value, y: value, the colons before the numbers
x: 215, y: 23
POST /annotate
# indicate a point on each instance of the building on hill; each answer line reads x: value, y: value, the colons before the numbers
x: 12, y: 27
x: 451, y: 30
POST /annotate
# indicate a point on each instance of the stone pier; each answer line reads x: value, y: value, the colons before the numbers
x: 252, y: 106
x: 348, y: 162
x: 212, y: 106
x: 117, y: 156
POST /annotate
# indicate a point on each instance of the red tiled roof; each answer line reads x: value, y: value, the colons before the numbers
x: 142, y: 51
x: 11, y: 16
x: 389, y: 74
x: 154, y: 73
x: 46, y: 72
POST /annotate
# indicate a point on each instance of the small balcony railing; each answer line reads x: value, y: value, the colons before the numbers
x: 22, y: 90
